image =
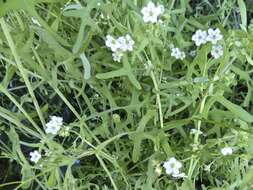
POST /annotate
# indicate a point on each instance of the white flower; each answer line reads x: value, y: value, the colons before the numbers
x: 117, y: 56
x: 177, y: 53
x: 214, y: 35
x: 112, y: 43
x: 126, y: 43
x: 227, y: 151
x: 172, y: 166
x: 199, y: 37
x: 54, y: 125
x: 35, y: 156
x: 194, y: 131
x: 193, y: 53
x: 152, y: 12
x: 35, y: 21
x: 217, y: 51
x: 180, y: 175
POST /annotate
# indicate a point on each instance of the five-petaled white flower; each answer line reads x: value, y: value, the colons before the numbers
x: 117, y: 56
x: 194, y: 131
x: 172, y: 166
x: 177, y: 53
x: 217, y: 51
x: 227, y: 151
x: 126, y: 43
x: 54, y: 125
x: 152, y: 12
x: 199, y: 37
x: 35, y: 156
x: 193, y: 53
x: 112, y: 43
x: 214, y: 35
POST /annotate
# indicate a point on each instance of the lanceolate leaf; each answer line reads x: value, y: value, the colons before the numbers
x: 8, y: 5
x: 235, y: 109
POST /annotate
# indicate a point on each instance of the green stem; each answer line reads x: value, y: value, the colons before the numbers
x: 2, y: 89
x: 107, y: 171
x: 22, y: 70
x: 158, y: 99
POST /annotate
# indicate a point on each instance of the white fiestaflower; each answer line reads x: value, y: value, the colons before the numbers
x: 217, y: 51
x: 214, y: 35
x: 199, y: 37
x: 116, y: 56
x: 227, y: 151
x: 151, y: 12
x: 35, y: 156
x: 112, y: 43
x: 172, y: 167
x: 126, y: 43
x: 54, y: 125
x: 177, y: 53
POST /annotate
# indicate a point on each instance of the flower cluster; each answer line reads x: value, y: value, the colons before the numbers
x: 212, y: 35
x: 172, y: 167
x: 54, y: 125
x: 151, y: 12
x: 120, y: 45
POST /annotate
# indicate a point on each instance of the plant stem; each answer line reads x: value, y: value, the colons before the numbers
x: 22, y: 70
x: 158, y: 99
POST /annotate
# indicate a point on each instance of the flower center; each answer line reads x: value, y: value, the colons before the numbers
x: 151, y: 13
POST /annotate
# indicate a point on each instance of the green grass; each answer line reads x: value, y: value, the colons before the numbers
x: 125, y: 119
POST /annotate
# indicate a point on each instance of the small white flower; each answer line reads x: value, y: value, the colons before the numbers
x: 117, y: 56
x: 126, y: 43
x: 194, y: 131
x: 152, y: 12
x: 177, y: 53
x: 199, y: 37
x: 207, y: 168
x: 180, y: 175
x: 214, y: 35
x: 112, y: 43
x: 193, y: 53
x: 227, y: 151
x: 35, y: 21
x: 54, y: 125
x: 172, y: 166
x: 35, y: 156
x: 217, y: 51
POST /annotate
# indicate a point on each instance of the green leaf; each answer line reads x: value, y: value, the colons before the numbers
x: 51, y: 181
x: 235, y: 109
x: 243, y: 12
x: 27, y: 175
x: 9, y: 5
x: 138, y: 138
x: 87, y: 67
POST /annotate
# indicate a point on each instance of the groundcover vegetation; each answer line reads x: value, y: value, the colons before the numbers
x: 126, y: 94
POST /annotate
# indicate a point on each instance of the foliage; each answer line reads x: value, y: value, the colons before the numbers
x: 124, y: 120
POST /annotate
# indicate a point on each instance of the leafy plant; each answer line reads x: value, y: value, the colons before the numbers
x: 96, y: 115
